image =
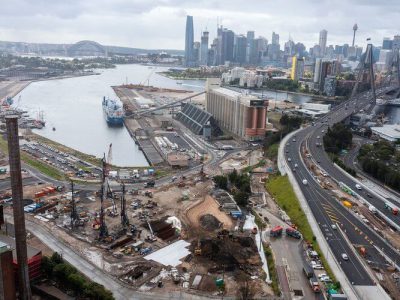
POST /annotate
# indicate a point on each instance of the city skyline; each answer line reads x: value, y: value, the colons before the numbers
x: 159, y: 24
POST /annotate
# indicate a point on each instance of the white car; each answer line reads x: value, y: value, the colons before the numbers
x: 318, y: 267
x: 322, y: 275
x: 334, y: 226
x: 358, y: 187
x: 289, y: 159
x: 344, y: 256
x: 295, y: 165
x: 305, y: 182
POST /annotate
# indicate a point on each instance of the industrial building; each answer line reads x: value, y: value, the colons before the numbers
x: 297, y: 71
x: 243, y: 115
x: 7, y: 274
x: 387, y: 132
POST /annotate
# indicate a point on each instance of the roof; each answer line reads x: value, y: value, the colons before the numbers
x: 391, y: 132
x: 31, y: 251
x: 244, y: 98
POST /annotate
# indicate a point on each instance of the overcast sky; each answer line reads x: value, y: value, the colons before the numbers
x: 161, y: 23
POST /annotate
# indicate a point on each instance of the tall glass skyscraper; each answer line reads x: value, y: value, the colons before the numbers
x: 189, y: 42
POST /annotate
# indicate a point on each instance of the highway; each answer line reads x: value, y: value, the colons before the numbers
x: 326, y: 209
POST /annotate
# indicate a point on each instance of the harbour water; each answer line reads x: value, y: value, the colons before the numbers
x: 73, y: 107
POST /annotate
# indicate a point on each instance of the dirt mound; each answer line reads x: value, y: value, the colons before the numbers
x: 209, y: 222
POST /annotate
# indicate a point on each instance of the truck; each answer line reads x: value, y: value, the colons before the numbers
x: 393, y: 208
x: 237, y: 214
x: 308, y: 271
x: 314, y: 285
x: 293, y: 233
x: 276, y: 231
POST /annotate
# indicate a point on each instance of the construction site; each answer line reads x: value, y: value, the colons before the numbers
x: 182, y: 235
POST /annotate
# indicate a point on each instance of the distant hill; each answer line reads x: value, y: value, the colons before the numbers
x: 62, y: 49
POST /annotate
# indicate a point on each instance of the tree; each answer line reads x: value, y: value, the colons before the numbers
x: 47, y: 266
x: 56, y: 258
x: 221, y: 182
x: 241, y: 198
x: 77, y: 282
x: 97, y: 291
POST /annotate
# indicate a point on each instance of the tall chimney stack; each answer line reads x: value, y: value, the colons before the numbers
x: 18, y: 207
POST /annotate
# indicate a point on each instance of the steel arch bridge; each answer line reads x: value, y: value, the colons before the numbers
x: 86, y: 48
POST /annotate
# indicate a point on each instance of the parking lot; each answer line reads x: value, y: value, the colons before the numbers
x: 61, y: 160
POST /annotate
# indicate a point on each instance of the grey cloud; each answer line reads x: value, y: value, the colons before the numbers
x: 160, y: 23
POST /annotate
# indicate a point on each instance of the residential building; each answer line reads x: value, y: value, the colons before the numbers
x: 297, y: 71
x: 323, y: 35
x: 330, y: 85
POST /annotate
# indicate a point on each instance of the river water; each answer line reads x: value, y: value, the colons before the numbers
x: 73, y: 107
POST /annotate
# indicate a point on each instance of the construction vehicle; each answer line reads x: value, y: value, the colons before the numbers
x: 150, y: 183
x: 197, y: 250
x: 145, y: 251
x: 276, y: 231
x: 148, y: 194
x: 293, y: 233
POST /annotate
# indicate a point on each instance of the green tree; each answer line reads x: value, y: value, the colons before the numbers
x: 221, y: 182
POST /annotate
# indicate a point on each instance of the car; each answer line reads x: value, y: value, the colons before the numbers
x: 318, y: 267
x: 294, y: 170
x: 324, y: 174
x: 289, y: 159
x: 334, y: 226
x: 305, y: 182
x: 326, y: 279
x: 344, y: 256
x: 318, y: 137
x: 358, y: 187
x: 287, y: 151
x: 293, y: 140
x: 369, y: 195
x: 323, y: 131
x: 322, y: 275
x: 295, y: 165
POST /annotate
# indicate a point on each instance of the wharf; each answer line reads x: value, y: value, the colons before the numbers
x: 138, y: 128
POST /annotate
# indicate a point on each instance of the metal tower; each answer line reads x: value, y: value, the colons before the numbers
x: 124, y: 216
x: 355, y: 27
x: 366, y: 64
x: 74, y: 213
x: 103, y: 231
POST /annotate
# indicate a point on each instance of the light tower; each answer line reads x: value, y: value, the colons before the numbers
x: 355, y: 27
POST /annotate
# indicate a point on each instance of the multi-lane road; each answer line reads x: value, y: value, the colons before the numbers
x: 324, y: 206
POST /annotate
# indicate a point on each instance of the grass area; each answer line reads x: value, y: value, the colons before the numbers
x: 280, y: 188
x: 271, y: 151
x: 35, y: 163
x: 272, y: 270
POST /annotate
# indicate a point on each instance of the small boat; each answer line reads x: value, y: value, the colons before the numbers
x: 179, y: 82
x: 54, y: 129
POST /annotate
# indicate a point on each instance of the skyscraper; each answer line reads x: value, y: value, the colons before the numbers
x: 240, y: 49
x: 275, y: 38
x: 189, y: 42
x: 204, y: 49
x: 250, y: 39
x: 323, y: 35
x: 297, y: 71
x: 387, y: 44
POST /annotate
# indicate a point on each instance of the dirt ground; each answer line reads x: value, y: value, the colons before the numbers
x: 208, y: 206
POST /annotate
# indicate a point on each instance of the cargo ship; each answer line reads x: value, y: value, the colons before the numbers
x: 113, y: 112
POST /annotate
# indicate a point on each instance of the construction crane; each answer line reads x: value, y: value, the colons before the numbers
x: 147, y: 78
x: 124, y: 216
x: 74, y: 213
